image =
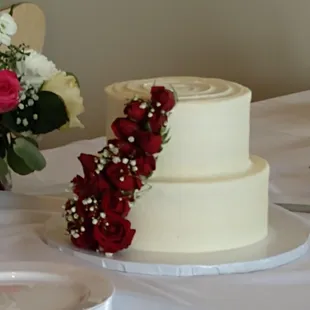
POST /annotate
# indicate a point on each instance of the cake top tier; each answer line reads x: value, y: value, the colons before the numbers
x: 186, y: 87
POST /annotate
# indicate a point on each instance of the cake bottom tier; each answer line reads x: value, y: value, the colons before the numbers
x: 203, y: 215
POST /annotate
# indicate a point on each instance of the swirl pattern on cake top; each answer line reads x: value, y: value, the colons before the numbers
x: 185, y: 87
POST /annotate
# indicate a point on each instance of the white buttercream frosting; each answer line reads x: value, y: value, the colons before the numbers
x: 209, y: 126
x: 186, y: 87
x: 205, y: 215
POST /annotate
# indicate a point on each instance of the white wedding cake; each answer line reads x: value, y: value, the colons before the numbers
x: 207, y: 193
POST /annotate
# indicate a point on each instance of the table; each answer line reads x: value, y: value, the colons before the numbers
x: 280, y: 132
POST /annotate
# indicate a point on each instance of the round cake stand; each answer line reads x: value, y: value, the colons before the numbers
x: 287, y: 240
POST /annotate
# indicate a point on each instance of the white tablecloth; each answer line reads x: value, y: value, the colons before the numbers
x: 281, y: 134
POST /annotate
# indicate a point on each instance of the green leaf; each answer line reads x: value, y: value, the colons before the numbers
x: 33, y: 141
x: 52, y: 113
x: 29, y: 153
x: 164, y: 129
x: 17, y: 164
x: 9, y: 121
x: 165, y: 134
x: 148, y: 127
x: 166, y: 140
x: 72, y: 74
x: 175, y: 94
x: 4, y: 169
x: 4, y: 144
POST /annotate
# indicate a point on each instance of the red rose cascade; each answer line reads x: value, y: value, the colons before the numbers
x: 96, y: 215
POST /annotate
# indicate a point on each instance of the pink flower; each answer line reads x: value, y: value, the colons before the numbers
x: 9, y: 91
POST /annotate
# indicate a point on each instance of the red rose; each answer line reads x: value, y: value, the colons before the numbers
x: 9, y: 91
x: 113, y: 233
x: 146, y: 165
x: 163, y: 97
x: 83, y: 187
x: 80, y: 187
x: 126, y: 149
x: 149, y: 142
x: 157, y: 121
x: 89, y: 164
x: 92, y: 184
x: 124, y: 128
x: 135, y: 110
x: 113, y: 201
x: 85, y: 239
x: 119, y: 175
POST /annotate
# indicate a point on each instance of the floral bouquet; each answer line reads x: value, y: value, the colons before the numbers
x: 35, y: 98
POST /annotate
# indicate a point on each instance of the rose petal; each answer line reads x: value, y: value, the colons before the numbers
x: 124, y: 127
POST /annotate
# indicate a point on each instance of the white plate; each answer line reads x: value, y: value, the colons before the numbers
x: 37, y: 286
x: 277, y: 249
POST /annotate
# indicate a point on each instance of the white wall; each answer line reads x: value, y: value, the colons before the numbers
x: 264, y: 44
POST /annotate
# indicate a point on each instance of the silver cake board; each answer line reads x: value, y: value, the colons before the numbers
x: 287, y: 240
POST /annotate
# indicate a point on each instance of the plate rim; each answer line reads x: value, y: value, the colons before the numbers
x: 80, y: 275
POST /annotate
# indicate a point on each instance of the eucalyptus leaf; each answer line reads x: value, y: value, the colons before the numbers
x: 33, y: 141
x: 29, y: 153
x: 17, y: 164
x: 4, y: 169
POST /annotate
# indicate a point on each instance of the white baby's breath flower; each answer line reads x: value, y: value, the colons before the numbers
x: 36, y: 68
x: 8, y: 28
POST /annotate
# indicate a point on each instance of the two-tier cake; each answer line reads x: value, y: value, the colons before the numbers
x: 207, y: 193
